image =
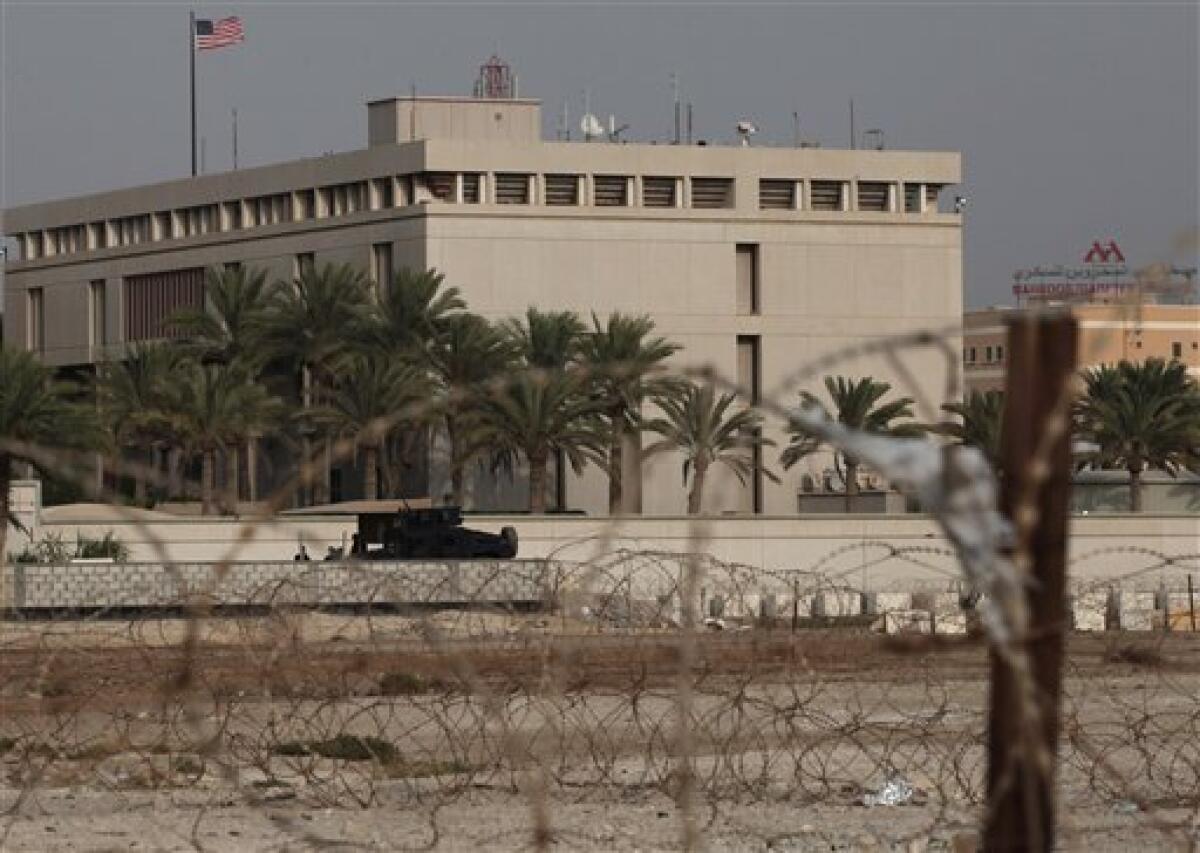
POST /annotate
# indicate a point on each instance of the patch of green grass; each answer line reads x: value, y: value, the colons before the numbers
x: 345, y: 747
x: 403, y: 769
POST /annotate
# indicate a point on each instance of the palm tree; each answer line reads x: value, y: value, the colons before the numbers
x: 980, y: 419
x: 230, y: 326
x: 314, y: 323
x: 410, y: 313
x: 129, y: 393
x: 467, y: 354
x: 1138, y: 416
x: 36, y: 413
x: 373, y: 397
x: 230, y: 329
x: 857, y: 404
x: 537, y: 414
x: 708, y: 430
x: 625, y: 363
x: 548, y: 340
x: 211, y: 408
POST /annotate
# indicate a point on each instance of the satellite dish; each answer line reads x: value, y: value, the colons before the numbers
x: 591, y: 126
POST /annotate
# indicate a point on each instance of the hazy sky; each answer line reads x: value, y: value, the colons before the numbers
x: 1076, y: 120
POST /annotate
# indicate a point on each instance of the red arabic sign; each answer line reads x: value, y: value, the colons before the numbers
x: 1105, y: 274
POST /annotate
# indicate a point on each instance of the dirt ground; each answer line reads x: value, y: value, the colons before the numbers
x: 164, y: 735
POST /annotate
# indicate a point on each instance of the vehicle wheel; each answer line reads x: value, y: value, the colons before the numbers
x: 509, y: 535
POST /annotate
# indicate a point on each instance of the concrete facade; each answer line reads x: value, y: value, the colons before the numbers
x: 844, y: 246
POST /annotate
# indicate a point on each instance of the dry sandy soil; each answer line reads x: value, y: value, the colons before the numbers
x: 165, y: 735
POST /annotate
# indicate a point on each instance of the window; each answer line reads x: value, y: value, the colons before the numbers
x: 912, y: 198
x: 562, y: 190
x: 1177, y: 349
x: 439, y: 185
x: 303, y: 264
x: 98, y: 325
x: 99, y: 235
x: 987, y: 355
x: 306, y: 200
x: 658, y: 192
x: 999, y: 353
x: 381, y: 264
x: 747, y: 278
x: 472, y: 187
x: 35, y: 330
x: 826, y: 195
x: 873, y: 196
x: 970, y: 355
x: 512, y: 188
x: 776, y: 194
x: 708, y: 193
x: 151, y: 299
x: 612, y: 190
x: 749, y: 376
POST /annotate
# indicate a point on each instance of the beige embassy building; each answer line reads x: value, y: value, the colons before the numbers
x: 757, y: 260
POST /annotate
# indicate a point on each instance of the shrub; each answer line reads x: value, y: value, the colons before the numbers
x: 343, y: 746
x: 107, y: 547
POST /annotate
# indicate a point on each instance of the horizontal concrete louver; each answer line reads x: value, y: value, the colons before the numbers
x: 826, y: 195
x: 710, y: 193
x: 472, y: 184
x: 658, y: 192
x: 562, y: 190
x: 776, y: 194
x: 932, y: 193
x: 873, y: 196
x: 512, y: 188
x: 612, y: 190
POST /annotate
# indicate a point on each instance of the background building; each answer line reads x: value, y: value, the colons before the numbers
x: 755, y: 260
x: 1107, y: 334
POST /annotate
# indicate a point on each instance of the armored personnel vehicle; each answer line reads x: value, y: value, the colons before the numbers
x: 431, y: 533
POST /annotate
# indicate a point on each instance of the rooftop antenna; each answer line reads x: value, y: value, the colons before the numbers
x: 496, y: 80
x: 853, y: 141
x: 564, y: 127
x: 675, y: 98
x: 235, y: 151
x: 796, y: 128
x: 689, y: 123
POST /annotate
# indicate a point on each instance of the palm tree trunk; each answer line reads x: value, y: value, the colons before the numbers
x: 139, y: 479
x: 456, y: 464
x: 371, y: 474
x: 616, y: 459
x: 207, y: 464
x: 5, y: 485
x: 851, y: 484
x: 327, y: 471
x: 1135, y: 487
x: 252, y: 469
x: 696, y: 495
x: 231, y: 477
x: 537, y: 482
x: 174, y: 463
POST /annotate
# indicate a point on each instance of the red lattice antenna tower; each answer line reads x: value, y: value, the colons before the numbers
x: 496, y: 80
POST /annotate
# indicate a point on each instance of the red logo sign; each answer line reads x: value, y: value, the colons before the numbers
x: 1104, y: 253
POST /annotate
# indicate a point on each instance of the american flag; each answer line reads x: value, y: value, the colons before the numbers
x: 213, y: 34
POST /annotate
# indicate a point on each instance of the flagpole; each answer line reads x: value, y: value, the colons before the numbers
x: 192, y: 69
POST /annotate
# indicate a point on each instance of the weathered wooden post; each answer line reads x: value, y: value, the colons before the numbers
x: 1035, y: 495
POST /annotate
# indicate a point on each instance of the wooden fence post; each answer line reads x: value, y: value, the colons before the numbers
x: 1035, y: 495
